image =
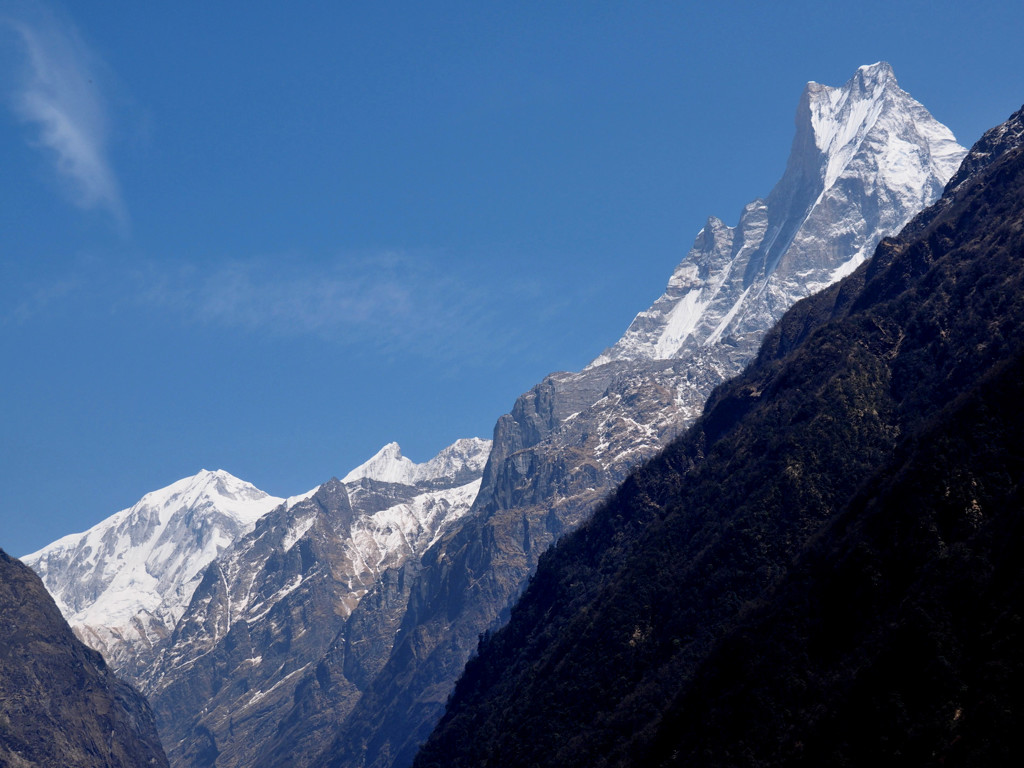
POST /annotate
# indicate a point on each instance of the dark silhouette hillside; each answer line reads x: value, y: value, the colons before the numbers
x: 60, y: 705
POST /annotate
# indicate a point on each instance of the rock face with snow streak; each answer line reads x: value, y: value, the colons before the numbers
x: 124, y: 583
x: 274, y: 609
x: 866, y: 158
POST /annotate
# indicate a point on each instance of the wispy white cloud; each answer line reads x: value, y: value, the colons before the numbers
x: 390, y: 302
x: 58, y: 92
x: 415, y: 305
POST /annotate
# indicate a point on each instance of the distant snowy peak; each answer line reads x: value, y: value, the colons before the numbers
x: 126, y: 582
x: 465, y: 457
x: 865, y: 158
x: 133, y: 573
x: 218, y: 490
x: 328, y: 547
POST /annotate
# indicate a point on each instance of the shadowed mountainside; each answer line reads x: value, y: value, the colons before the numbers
x: 60, y: 705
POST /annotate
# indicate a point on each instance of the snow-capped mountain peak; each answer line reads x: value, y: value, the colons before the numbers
x: 131, y: 575
x: 293, y: 583
x: 464, y: 456
x: 388, y: 465
x: 840, y: 118
x: 124, y: 583
x: 865, y: 157
x: 219, y: 489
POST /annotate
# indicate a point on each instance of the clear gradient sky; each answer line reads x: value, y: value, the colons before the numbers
x: 271, y: 237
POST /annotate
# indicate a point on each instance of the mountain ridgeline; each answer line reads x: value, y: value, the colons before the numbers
x: 220, y: 602
x: 825, y: 570
x: 330, y: 630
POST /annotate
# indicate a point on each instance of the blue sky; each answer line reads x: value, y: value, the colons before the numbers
x: 272, y: 237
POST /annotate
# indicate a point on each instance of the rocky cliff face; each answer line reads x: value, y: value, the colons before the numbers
x: 866, y: 157
x: 59, y: 702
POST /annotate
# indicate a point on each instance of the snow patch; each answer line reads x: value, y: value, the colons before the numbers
x: 681, y: 321
x: 293, y: 535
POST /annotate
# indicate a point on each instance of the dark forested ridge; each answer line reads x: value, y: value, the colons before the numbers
x: 827, y: 568
x: 60, y: 705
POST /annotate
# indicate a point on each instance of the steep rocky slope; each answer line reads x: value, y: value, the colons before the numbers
x: 865, y: 158
x: 826, y: 569
x: 60, y: 705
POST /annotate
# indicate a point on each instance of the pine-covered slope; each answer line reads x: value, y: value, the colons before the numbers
x: 60, y: 705
x: 826, y: 569
x: 866, y: 157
